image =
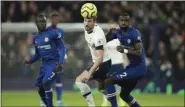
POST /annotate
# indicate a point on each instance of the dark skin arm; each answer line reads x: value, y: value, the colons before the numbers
x: 108, y: 35
x: 137, y: 51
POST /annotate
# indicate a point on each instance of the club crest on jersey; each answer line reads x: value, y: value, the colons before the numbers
x: 139, y: 37
x: 100, y: 42
x: 129, y: 41
x: 46, y: 39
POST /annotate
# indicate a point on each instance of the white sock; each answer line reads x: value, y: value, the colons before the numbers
x: 85, y: 89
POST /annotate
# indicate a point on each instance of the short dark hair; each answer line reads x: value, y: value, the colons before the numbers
x: 124, y: 14
x: 41, y: 15
x: 55, y: 14
x: 94, y: 18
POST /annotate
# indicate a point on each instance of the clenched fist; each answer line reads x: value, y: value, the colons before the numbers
x: 26, y: 62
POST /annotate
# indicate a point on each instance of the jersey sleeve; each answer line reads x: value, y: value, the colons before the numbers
x: 98, y: 40
x: 36, y: 56
x: 136, y: 36
x: 110, y: 36
x: 113, y: 36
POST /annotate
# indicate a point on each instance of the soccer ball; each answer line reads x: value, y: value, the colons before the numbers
x: 88, y: 10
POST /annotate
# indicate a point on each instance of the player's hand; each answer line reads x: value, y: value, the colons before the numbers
x: 120, y: 48
x: 112, y: 30
x: 59, y: 67
x: 26, y: 62
x: 86, y: 78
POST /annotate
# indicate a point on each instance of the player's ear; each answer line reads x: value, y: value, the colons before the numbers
x: 94, y: 21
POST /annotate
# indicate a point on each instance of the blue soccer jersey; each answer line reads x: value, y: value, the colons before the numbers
x: 46, y: 47
x: 128, y: 39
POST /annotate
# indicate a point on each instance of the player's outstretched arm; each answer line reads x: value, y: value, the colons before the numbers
x: 32, y: 59
x: 111, y: 34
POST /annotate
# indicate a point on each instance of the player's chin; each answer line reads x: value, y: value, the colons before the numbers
x: 40, y: 28
x: 87, y: 29
x: 123, y: 26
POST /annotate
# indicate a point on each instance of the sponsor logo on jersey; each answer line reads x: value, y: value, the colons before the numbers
x: 129, y: 41
x: 100, y: 42
x: 139, y: 37
x: 45, y: 46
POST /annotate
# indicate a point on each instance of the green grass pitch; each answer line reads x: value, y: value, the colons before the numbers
x: 31, y: 98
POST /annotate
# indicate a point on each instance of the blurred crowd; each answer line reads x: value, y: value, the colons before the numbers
x: 162, y: 20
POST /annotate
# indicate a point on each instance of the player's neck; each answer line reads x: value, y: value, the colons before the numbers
x: 89, y: 32
x: 41, y: 31
x: 124, y: 30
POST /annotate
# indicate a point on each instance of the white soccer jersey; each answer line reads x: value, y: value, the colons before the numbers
x: 95, y: 39
x: 116, y: 57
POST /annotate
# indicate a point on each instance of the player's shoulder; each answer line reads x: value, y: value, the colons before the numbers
x: 60, y: 29
x: 118, y: 29
x: 133, y: 30
x: 98, y: 29
x: 49, y: 28
x: 98, y: 32
x: 49, y: 31
x: 35, y: 35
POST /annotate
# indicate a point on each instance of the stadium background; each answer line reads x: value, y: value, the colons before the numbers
x: 162, y: 25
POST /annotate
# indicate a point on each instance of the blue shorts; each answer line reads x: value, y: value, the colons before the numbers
x: 101, y: 72
x: 130, y: 73
x: 127, y: 78
x: 47, y: 74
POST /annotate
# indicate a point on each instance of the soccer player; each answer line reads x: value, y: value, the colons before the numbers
x: 46, y: 47
x: 96, y: 41
x: 119, y: 62
x: 55, y: 18
x: 130, y: 39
